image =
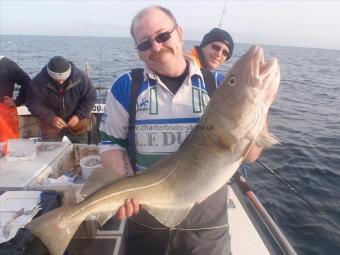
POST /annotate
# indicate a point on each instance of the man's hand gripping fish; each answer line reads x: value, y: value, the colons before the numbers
x: 206, y: 160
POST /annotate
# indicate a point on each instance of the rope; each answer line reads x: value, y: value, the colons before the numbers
x: 178, y: 228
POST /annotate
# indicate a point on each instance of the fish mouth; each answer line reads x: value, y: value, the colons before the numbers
x: 265, y: 68
x: 262, y: 68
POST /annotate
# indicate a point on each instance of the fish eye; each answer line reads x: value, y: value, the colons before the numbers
x: 231, y: 80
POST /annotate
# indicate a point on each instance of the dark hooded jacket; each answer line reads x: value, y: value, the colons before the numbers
x: 45, y: 101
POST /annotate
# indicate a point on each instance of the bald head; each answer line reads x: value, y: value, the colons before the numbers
x: 145, y: 11
x: 159, y: 41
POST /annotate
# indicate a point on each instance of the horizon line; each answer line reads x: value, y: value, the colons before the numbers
x: 193, y: 40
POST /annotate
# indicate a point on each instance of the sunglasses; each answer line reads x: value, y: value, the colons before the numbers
x: 162, y: 37
x: 216, y: 47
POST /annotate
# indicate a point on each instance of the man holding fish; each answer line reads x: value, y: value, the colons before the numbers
x: 183, y: 195
x: 174, y: 98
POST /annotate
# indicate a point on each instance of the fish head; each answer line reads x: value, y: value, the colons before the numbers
x: 241, y: 102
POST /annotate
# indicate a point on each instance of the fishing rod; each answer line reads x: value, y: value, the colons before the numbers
x: 223, y: 12
x: 100, y: 74
x: 300, y: 194
x: 268, y: 221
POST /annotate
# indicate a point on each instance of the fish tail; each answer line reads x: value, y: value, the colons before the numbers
x: 54, y: 231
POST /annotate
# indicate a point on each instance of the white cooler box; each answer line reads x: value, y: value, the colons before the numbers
x: 52, y: 161
x: 68, y: 160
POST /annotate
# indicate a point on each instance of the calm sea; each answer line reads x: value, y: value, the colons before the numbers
x: 305, y: 117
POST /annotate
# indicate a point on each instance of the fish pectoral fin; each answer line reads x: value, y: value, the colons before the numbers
x: 223, y: 139
x: 99, y: 178
x: 169, y: 217
x: 103, y: 217
x: 266, y: 140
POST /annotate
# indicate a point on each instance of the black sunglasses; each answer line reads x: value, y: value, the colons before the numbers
x: 218, y: 48
x: 162, y: 37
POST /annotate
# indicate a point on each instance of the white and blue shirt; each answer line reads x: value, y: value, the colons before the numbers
x: 163, y: 119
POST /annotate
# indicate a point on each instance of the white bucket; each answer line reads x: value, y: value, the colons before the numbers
x: 88, y: 164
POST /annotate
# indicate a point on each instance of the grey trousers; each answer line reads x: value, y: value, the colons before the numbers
x: 205, y: 216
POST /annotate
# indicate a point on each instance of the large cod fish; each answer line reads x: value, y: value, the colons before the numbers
x: 206, y: 160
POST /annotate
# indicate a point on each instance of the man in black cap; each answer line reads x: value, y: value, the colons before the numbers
x: 216, y: 47
x: 61, y: 96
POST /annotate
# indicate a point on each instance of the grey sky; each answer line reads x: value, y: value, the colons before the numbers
x: 295, y: 23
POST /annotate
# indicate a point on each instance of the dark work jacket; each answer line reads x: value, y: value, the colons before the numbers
x: 44, y: 100
x: 11, y: 73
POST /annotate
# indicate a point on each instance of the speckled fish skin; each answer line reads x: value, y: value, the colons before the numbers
x: 207, y: 159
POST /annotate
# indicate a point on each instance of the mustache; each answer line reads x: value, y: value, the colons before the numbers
x: 157, y: 54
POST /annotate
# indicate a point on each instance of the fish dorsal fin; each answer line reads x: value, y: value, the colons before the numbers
x: 266, y: 140
x: 169, y: 217
x: 99, y: 178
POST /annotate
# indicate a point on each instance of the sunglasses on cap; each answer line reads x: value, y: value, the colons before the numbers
x: 162, y: 37
x: 216, y: 47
